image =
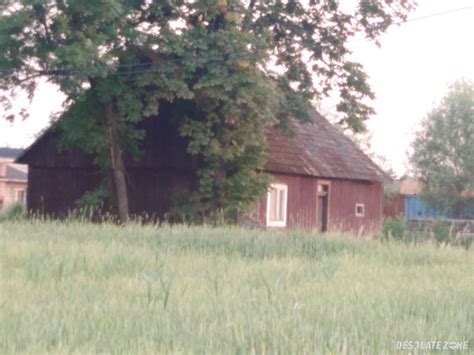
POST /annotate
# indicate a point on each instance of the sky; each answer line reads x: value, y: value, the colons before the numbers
x: 409, y: 73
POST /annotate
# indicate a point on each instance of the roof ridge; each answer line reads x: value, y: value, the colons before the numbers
x: 322, y: 150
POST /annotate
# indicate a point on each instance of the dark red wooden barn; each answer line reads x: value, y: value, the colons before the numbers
x: 321, y: 179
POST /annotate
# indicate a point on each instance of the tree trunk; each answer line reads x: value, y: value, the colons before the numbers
x: 117, y: 165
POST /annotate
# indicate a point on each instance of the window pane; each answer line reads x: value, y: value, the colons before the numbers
x: 272, y: 204
x: 281, y: 215
x: 276, y: 205
x: 20, y: 196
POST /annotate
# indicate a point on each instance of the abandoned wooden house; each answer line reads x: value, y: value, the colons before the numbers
x: 321, y: 180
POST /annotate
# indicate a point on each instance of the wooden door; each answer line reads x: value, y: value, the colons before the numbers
x: 322, y: 207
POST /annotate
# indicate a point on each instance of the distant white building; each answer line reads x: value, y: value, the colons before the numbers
x: 13, y: 179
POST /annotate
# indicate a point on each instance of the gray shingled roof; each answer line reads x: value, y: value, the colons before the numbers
x: 10, y: 152
x: 319, y: 149
x: 16, y: 172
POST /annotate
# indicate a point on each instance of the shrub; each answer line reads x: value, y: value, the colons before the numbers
x: 14, y: 212
x: 91, y: 203
x: 441, y: 232
x: 394, y: 227
x: 92, y: 199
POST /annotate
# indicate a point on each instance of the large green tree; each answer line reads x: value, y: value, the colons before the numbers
x: 232, y: 67
x: 443, y: 150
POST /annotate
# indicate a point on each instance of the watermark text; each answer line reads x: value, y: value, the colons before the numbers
x: 431, y: 345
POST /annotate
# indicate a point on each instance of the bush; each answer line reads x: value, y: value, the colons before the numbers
x: 91, y: 204
x: 394, y: 228
x: 92, y: 199
x: 441, y: 232
x: 14, y: 212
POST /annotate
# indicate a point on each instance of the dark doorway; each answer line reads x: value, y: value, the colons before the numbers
x: 322, y: 208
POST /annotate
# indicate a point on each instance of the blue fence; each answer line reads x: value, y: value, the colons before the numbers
x: 416, y: 208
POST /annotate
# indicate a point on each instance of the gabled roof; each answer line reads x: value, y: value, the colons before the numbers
x: 11, y: 153
x: 409, y: 186
x: 24, y: 157
x: 15, y: 172
x: 316, y: 149
x: 319, y: 149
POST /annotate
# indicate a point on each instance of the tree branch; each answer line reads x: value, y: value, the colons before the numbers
x: 27, y: 78
x: 248, y: 16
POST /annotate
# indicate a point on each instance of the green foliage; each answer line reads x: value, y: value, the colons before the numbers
x: 83, y: 126
x: 215, y: 60
x: 92, y: 201
x: 186, y: 208
x: 16, y: 211
x: 443, y: 149
x: 225, y: 124
x: 394, y: 228
x: 441, y: 232
x: 390, y: 190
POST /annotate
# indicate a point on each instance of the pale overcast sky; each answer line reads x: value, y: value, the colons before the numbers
x: 409, y: 73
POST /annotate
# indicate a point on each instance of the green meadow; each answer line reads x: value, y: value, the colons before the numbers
x: 75, y: 287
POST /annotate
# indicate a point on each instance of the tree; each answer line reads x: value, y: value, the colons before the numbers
x: 443, y: 150
x: 363, y: 142
x: 231, y: 67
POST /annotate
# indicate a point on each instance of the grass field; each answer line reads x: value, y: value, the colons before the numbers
x: 77, y: 287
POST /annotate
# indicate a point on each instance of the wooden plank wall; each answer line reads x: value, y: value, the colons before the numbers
x: 152, y: 192
x: 343, y: 196
x: 54, y: 191
x: 394, y: 206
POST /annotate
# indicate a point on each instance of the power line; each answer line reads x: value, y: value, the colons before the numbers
x: 435, y: 14
x: 65, y: 71
x: 422, y: 18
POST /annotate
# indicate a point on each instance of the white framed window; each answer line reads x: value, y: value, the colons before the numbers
x: 20, y: 196
x: 360, y: 210
x: 277, y: 200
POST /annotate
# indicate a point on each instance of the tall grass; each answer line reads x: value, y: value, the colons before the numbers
x: 78, y: 287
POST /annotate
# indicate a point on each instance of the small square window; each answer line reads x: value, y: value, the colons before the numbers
x: 360, y: 210
x: 276, y: 205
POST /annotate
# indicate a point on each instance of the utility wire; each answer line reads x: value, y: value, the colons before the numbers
x: 435, y: 15
x: 146, y: 65
x: 422, y: 18
x: 65, y: 71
